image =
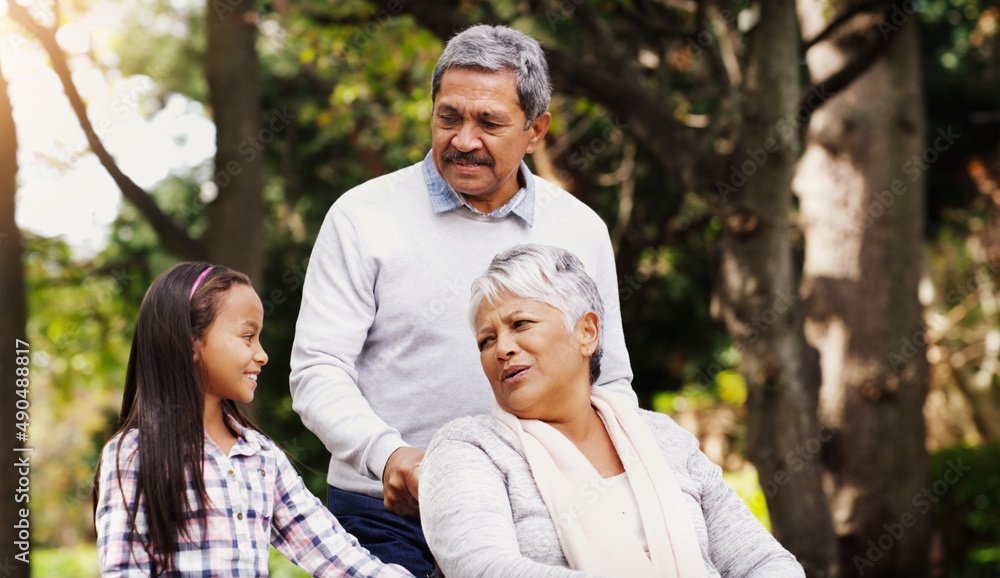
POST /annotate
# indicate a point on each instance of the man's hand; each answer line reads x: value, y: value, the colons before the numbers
x: 400, y: 480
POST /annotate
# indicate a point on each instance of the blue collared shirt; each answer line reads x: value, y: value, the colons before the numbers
x: 444, y: 198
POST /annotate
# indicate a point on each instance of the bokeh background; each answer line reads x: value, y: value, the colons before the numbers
x: 804, y: 199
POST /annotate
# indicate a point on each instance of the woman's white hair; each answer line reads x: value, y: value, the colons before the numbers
x: 546, y: 274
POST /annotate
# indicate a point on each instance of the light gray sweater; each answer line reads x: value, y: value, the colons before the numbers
x: 483, y: 516
x: 383, y: 353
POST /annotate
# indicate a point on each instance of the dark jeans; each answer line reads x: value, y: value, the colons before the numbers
x: 393, y: 538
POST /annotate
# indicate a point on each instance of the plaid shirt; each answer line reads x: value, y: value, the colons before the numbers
x: 257, y: 498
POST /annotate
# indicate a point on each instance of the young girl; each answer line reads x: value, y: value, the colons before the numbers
x: 189, y: 485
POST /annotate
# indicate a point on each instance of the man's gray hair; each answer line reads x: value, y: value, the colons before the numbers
x: 500, y: 48
x: 546, y: 274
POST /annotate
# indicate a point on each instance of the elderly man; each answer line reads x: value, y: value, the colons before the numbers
x: 382, y: 358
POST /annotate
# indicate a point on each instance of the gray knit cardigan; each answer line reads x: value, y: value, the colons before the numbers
x: 482, y: 513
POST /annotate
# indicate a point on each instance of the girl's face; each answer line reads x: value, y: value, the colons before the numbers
x: 229, y: 354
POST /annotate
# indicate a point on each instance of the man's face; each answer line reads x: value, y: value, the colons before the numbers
x: 479, y: 137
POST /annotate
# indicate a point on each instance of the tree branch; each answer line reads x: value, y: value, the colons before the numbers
x: 854, y: 68
x: 661, y: 27
x: 625, y: 176
x: 674, y: 145
x: 174, y: 238
x: 441, y: 18
x: 837, y: 22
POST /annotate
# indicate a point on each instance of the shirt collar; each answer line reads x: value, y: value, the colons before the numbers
x: 444, y: 198
x: 249, y: 441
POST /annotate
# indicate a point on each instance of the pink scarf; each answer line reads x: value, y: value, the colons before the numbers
x: 567, y: 481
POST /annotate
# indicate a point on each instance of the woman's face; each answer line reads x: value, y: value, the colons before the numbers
x: 536, y: 369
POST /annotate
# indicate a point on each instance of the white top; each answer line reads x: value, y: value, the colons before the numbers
x: 383, y: 353
x: 616, y: 508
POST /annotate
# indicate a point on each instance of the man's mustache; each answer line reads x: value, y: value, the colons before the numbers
x: 454, y: 155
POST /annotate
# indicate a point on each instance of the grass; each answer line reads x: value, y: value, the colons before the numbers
x: 81, y: 562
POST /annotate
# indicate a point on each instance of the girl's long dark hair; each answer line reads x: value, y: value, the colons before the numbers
x: 164, y: 400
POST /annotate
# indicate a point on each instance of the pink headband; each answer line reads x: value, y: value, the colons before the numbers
x: 198, y: 282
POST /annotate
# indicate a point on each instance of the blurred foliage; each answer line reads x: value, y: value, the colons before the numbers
x: 727, y: 386
x: 79, y: 352
x: 358, y: 83
x: 747, y: 486
x: 280, y: 567
x: 967, y: 513
x: 79, y: 561
x: 961, y: 74
x: 166, y: 41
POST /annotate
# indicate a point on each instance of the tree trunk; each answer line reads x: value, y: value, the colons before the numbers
x: 235, y: 233
x: 759, y: 298
x: 862, y: 212
x: 12, y: 328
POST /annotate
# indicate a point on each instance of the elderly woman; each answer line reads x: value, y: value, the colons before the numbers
x: 566, y: 479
